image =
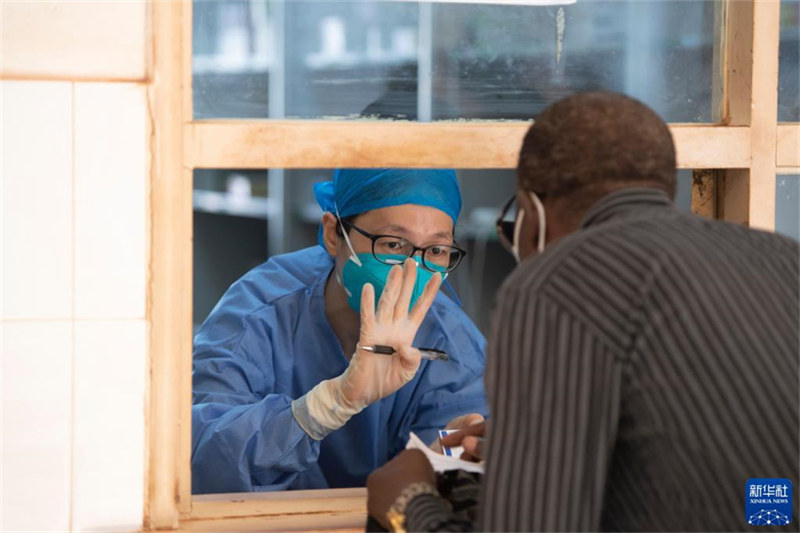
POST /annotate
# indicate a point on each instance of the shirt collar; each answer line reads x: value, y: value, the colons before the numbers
x: 625, y: 202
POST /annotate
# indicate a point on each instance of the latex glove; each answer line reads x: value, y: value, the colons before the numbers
x: 369, y: 376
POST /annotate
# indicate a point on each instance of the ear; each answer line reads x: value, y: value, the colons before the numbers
x: 329, y: 236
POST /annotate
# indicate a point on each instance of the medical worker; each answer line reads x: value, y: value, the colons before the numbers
x: 284, y: 395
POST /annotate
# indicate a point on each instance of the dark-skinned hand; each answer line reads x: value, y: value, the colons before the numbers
x: 471, y: 439
x: 385, y: 484
x: 461, y: 422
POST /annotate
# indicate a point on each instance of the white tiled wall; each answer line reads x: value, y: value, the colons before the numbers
x: 37, y: 425
x: 110, y: 154
x: 108, y: 485
x: 75, y: 164
x: 74, y: 266
x: 37, y: 200
x: 74, y: 39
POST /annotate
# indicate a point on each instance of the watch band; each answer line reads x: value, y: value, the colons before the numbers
x: 396, y: 515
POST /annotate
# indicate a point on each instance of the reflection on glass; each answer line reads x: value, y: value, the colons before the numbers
x: 787, y: 205
x: 514, y: 61
x: 789, y: 68
x: 233, y: 48
x: 429, y: 61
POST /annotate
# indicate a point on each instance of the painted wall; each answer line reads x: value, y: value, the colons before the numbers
x: 75, y: 163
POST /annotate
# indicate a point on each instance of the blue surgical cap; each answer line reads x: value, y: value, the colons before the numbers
x: 356, y: 191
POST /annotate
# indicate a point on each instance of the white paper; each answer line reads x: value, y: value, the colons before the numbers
x: 449, y: 451
x: 439, y: 462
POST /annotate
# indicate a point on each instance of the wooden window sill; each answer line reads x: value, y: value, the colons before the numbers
x: 308, y: 510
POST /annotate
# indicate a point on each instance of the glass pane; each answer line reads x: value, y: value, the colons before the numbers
x: 789, y: 69
x: 787, y: 205
x: 683, y: 194
x: 430, y: 61
x: 234, y: 210
x: 510, y: 62
x: 231, y: 58
x: 231, y: 209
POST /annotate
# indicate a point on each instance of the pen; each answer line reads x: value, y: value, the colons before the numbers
x: 431, y: 354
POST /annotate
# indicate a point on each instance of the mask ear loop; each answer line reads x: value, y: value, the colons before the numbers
x: 517, y: 231
x: 542, y: 226
x: 542, y: 221
x: 353, y: 257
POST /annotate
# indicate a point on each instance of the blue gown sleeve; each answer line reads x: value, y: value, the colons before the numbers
x: 439, y: 406
x: 244, y: 436
x: 452, y: 388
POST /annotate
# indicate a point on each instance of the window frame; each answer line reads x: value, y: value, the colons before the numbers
x: 746, y: 148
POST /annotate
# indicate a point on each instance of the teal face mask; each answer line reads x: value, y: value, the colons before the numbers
x: 370, y: 270
x: 365, y: 268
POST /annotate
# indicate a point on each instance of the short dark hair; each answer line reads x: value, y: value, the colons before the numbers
x: 589, y: 144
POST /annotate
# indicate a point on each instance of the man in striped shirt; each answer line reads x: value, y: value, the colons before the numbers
x: 642, y: 366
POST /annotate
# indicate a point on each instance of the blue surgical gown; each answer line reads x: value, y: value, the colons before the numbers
x: 268, y: 342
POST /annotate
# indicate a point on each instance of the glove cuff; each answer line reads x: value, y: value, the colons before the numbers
x: 323, y: 410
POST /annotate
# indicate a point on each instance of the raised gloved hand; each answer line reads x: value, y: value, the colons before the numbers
x: 371, y: 376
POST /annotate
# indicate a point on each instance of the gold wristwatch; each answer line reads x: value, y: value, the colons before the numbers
x: 396, y: 515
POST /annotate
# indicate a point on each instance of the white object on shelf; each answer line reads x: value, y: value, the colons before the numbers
x: 310, y: 213
x: 232, y: 204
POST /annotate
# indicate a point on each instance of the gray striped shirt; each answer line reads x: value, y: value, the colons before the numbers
x: 639, y: 372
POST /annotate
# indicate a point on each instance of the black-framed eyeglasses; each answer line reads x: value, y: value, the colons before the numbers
x: 506, y: 222
x: 441, y: 258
